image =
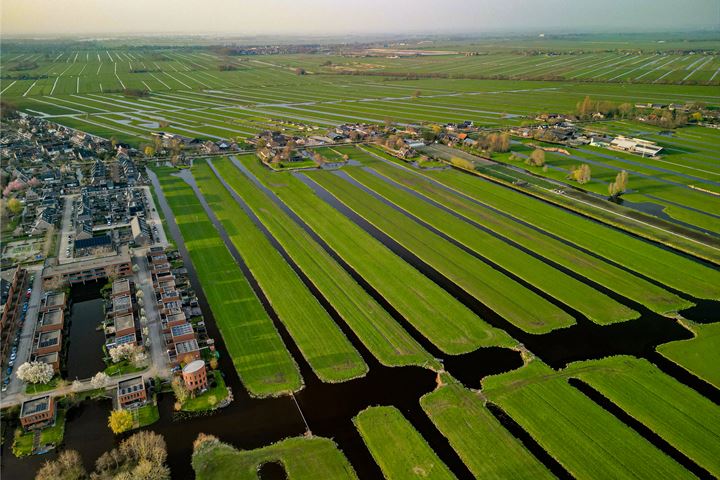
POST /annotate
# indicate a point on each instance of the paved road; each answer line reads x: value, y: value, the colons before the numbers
x: 153, y: 218
x: 66, y: 230
x: 143, y: 280
x: 23, y: 354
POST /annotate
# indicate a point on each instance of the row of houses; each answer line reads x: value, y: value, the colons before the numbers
x: 120, y: 324
x: 180, y: 337
x: 12, y: 293
x: 49, y: 330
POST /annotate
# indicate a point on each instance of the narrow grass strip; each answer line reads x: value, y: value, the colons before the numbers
x: 399, y: 450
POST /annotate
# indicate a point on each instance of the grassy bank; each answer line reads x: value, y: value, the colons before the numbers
x: 257, y: 351
x: 399, y: 449
x: 302, y: 458
x: 489, y: 451
x: 579, y: 296
x: 679, y: 414
x: 378, y: 331
x: 436, y: 314
x: 322, y: 343
x: 587, y: 440
x: 517, y: 304
x: 616, y: 279
x: 700, y: 355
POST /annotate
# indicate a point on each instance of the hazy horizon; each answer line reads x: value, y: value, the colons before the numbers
x: 328, y: 18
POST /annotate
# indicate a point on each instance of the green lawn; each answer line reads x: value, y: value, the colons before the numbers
x: 122, y: 367
x: 321, y: 341
x: 201, y: 403
x: 700, y: 355
x: 378, y: 331
x: 303, y: 458
x: 583, y: 298
x: 517, y: 304
x: 587, y: 440
x: 485, y: 446
x: 679, y: 414
x: 625, y: 283
x: 257, y: 351
x: 399, y: 450
x: 35, y: 388
x: 436, y: 314
x: 148, y: 414
x: 635, y: 254
x: 22, y: 446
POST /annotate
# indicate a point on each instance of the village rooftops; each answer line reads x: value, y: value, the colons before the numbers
x: 35, y: 406
x: 182, y: 329
x: 49, y: 339
x: 54, y: 299
x: 120, y: 287
x: 193, y: 366
x: 50, y: 318
x: 129, y: 338
x: 124, y: 322
x: 49, y: 358
x: 131, y: 385
x: 122, y: 303
x: 189, y: 346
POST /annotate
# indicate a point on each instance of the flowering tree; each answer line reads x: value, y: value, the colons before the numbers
x: 120, y: 421
x: 35, y: 372
x: 122, y: 352
x: 100, y: 380
x: 76, y: 386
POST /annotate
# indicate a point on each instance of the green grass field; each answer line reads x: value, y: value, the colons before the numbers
x: 517, y: 304
x: 680, y: 415
x: 588, y: 441
x: 303, y: 459
x: 606, y: 274
x: 700, y: 355
x: 378, y: 331
x: 257, y: 351
x: 484, y: 445
x: 437, y: 315
x: 320, y: 340
x: 202, y: 402
x: 581, y: 297
x: 635, y: 254
x: 399, y: 450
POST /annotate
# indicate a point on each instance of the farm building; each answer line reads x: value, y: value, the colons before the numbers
x: 636, y: 145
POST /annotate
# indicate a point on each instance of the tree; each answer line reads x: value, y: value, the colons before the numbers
x: 120, y: 421
x: 14, y: 206
x: 68, y: 466
x: 213, y: 363
x: 585, y: 108
x: 122, y: 352
x: 619, y: 186
x: 462, y: 163
x: 180, y: 390
x: 35, y: 372
x: 135, y: 268
x: 100, y: 380
x: 416, y: 94
x: 581, y: 174
x: 149, y: 150
x: 76, y: 386
x: 300, y: 71
x: 537, y: 158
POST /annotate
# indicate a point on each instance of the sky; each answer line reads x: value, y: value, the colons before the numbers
x: 335, y: 17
